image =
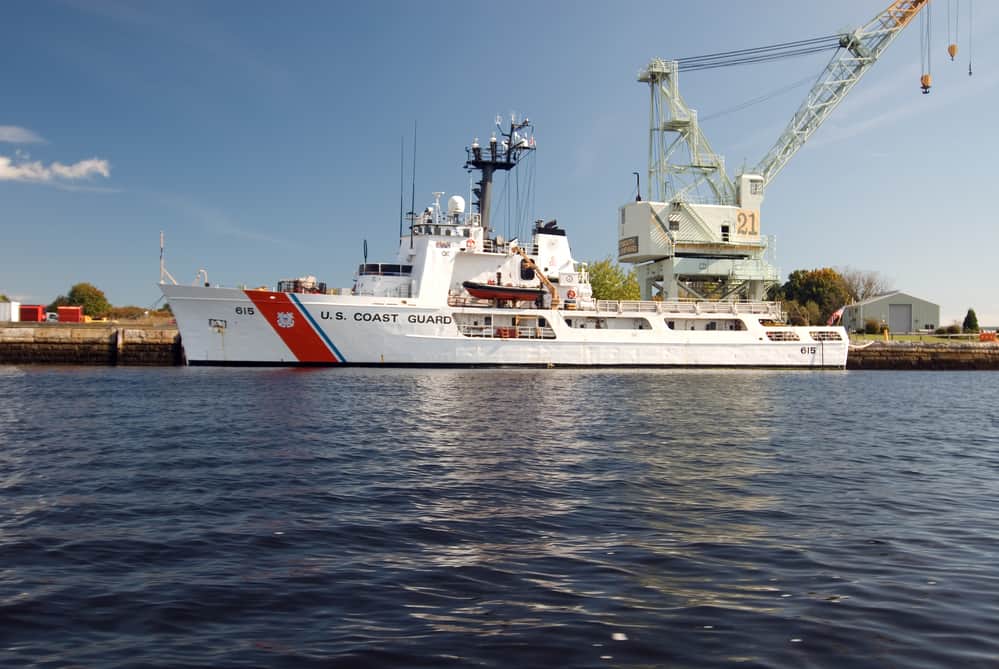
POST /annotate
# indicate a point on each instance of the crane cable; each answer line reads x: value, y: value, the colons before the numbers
x: 759, y: 54
x: 757, y: 100
x: 971, y: 7
x: 953, y: 27
x: 925, y: 56
x: 782, y: 50
x: 771, y: 47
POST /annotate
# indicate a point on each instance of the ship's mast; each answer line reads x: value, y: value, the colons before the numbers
x: 164, y: 274
x: 501, y: 155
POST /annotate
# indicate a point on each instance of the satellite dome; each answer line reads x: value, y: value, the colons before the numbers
x: 456, y: 204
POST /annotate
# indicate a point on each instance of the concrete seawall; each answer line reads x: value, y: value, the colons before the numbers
x: 920, y: 356
x: 30, y: 343
x: 89, y: 345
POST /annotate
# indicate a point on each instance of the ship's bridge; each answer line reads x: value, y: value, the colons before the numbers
x: 443, y: 229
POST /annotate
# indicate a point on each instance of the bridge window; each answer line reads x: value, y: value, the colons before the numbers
x: 384, y: 269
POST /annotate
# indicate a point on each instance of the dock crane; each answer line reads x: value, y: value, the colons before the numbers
x: 698, y: 236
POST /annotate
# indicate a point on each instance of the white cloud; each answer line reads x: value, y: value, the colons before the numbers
x: 82, y: 169
x: 13, y: 134
x: 35, y: 171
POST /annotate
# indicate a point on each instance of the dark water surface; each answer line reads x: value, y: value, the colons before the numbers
x: 178, y: 517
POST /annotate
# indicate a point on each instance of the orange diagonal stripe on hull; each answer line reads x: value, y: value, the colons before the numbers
x: 299, y: 336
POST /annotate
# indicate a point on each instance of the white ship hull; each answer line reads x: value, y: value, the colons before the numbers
x: 222, y: 326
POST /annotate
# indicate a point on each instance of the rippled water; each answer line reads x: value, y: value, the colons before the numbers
x: 180, y: 517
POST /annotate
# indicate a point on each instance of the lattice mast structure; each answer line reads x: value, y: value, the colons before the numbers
x: 699, y: 236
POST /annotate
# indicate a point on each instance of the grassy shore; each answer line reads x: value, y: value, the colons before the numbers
x: 920, y: 338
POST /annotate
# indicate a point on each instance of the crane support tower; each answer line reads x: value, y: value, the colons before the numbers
x: 699, y: 236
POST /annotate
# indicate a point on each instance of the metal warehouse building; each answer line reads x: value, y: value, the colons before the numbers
x: 900, y: 311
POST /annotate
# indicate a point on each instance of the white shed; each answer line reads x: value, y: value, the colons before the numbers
x: 10, y: 312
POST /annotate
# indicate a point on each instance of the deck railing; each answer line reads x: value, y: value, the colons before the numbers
x: 771, y: 309
x: 465, y: 301
x: 508, y: 332
x: 688, y: 307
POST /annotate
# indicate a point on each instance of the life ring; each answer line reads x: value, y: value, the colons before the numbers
x: 470, y: 244
x: 571, y: 294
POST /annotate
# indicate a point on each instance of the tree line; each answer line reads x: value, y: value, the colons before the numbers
x: 809, y: 296
x: 96, y: 305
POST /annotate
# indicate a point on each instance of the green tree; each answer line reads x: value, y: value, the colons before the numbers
x: 970, y: 321
x: 817, y: 293
x: 4, y: 298
x: 610, y: 282
x: 85, y: 295
x: 802, y: 314
x: 796, y: 314
x: 61, y: 301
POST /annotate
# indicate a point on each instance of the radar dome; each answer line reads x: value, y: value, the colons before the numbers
x: 456, y: 204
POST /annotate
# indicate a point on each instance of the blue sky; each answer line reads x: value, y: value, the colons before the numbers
x: 264, y: 138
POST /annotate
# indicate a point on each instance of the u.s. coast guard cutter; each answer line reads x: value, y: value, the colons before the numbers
x: 458, y: 295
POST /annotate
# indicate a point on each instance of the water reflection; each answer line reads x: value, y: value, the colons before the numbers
x: 583, y: 470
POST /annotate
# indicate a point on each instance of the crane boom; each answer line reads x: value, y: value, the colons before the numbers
x: 857, y: 53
